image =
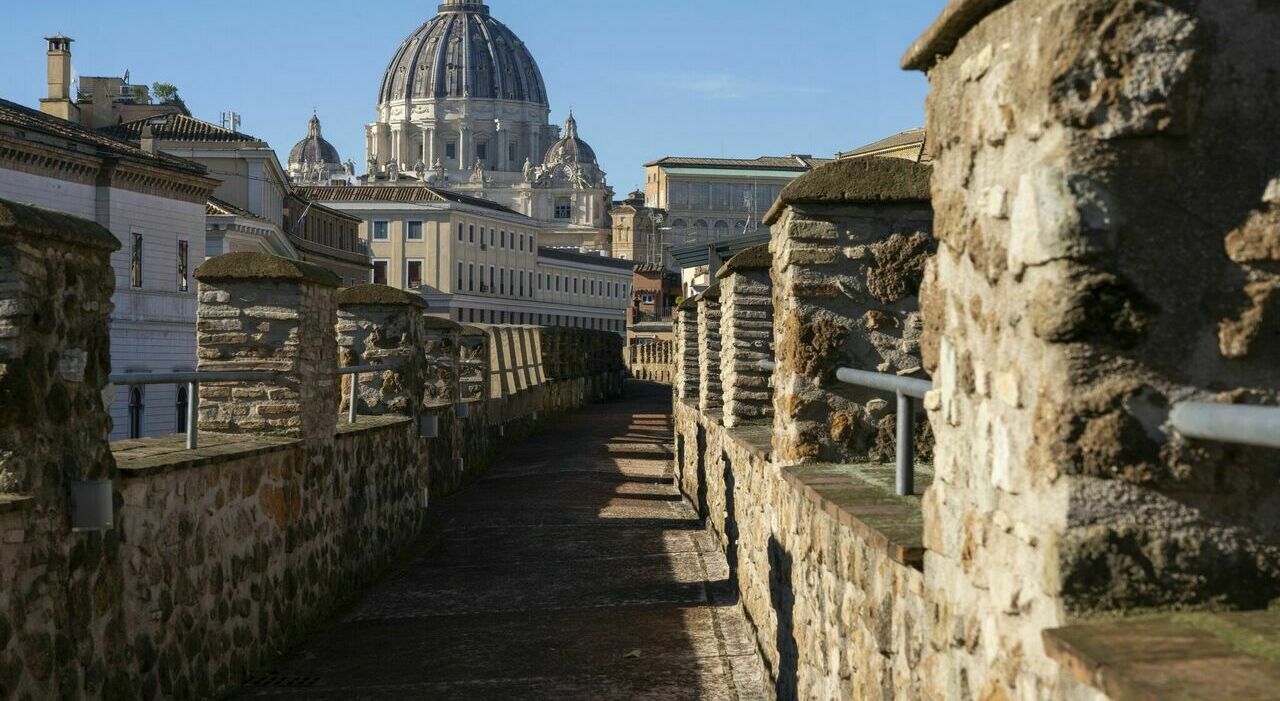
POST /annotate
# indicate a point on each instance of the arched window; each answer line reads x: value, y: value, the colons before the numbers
x: 181, y: 407
x: 135, y: 412
x: 701, y: 230
x: 679, y: 231
x: 564, y: 208
x: 722, y: 230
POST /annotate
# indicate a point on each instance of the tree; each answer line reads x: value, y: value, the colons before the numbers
x: 165, y: 92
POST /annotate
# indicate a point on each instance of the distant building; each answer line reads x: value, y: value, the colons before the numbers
x: 155, y: 204
x: 477, y: 261
x: 315, y: 161
x: 637, y: 230
x: 909, y: 145
x: 657, y: 290
x: 699, y: 262
x: 329, y: 238
x: 98, y: 101
x: 708, y: 199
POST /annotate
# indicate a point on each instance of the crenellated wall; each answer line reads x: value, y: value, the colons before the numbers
x: 654, y: 362
x: 218, y: 558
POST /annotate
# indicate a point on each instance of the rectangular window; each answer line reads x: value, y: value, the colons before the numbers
x: 381, y: 231
x: 575, y: 285
x: 459, y: 277
x: 135, y: 261
x: 471, y: 277
x: 502, y: 238
x: 482, y: 151
x: 521, y: 283
x: 413, y: 274
x: 593, y: 287
x: 413, y: 230
x: 459, y: 233
x: 471, y: 233
x: 522, y: 242
x: 539, y: 280
x: 472, y: 315
x: 379, y: 276
x: 512, y: 281
x: 533, y: 248
x: 492, y: 234
x: 451, y: 151
x: 491, y: 290
x: 502, y: 281
x: 564, y: 208
x: 183, y: 263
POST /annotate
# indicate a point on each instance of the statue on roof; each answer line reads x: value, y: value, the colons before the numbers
x: 373, y: 166
x: 420, y: 170
x: 393, y: 171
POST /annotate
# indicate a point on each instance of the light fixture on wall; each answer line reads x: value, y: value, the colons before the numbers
x: 92, y: 508
x: 429, y: 426
x: 462, y: 410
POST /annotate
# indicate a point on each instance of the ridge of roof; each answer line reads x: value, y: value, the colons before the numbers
x: 588, y: 258
x: 394, y: 193
x: 906, y: 138
x: 794, y: 162
x: 177, y: 127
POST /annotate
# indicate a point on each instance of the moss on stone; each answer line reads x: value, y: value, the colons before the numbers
x: 378, y: 294
x: 263, y: 266
x: 754, y: 258
x: 942, y: 37
x: 19, y: 219
x: 857, y: 181
x: 435, y: 322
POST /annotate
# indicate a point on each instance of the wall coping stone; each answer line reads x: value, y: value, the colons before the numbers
x: 372, y: 423
x: 263, y: 266
x: 689, y: 305
x: 15, y: 502
x: 754, y: 258
x: 467, y: 330
x: 891, y: 523
x: 22, y: 218
x: 711, y: 294
x: 871, y: 180
x: 941, y: 38
x: 148, y: 457
x: 756, y: 439
x: 378, y: 295
x: 1179, y: 655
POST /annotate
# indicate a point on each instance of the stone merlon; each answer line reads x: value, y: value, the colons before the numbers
x: 957, y: 18
x: 262, y: 266
x: 45, y: 223
x: 859, y: 180
x: 379, y: 295
x: 754, y: 258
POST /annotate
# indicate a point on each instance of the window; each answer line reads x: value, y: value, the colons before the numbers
x: 593, y: 287
x: 459, y: 279
x: 473, y: 316
x: 575, y: 285
x: 522, y: 242
x: 539, y: 280
x: 491, y: 235
x: 413, y: 274
x: 380, y: 272
x: 135, y: 261
x: 413, y: 231
x: 513, y: 281
x: 459, y: 233
x: 482, y: 152
x: 451, y: 151
x: 183, y: 256
x: 511, y: 152
x: 460, y: 315
x: 491, y: 290
x: 135, y: 412
x: 181, y: 407
x: 471, y: 233
x: 502, y: 281
x: 502, y: 238
x: 532, y: 247
x: 381, y: 231
x: 564, y: 208
x: 471, y: 277
x: 646, y: 298
x: 521, y: 283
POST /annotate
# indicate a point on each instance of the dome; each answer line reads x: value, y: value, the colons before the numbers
x: 570, y: 149
x: 314, y: 149
x: 463, y: 52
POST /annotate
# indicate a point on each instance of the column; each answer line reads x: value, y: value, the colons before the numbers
x: 746, y: 327
x: 709, y: 396
x: 431, y: 146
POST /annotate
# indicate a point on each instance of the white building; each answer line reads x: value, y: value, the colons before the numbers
x: 462, y: 106
x: 155, y: 204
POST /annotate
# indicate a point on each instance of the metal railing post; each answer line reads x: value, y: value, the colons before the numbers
x: 906, y: 476
x: 193, y: 415
x: 355, y: 393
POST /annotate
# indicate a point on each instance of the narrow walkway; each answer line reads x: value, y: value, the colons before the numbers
x: 573, y: 571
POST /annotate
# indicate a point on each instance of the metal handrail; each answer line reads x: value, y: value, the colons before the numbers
x: 1228, y: 423
x: 355, y: 371
x: 908, y: 390
x: 192, y: 380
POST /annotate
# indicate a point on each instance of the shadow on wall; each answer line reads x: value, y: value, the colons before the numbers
x: 701, y: 500
x: 731, y: 526
x: 783, y: 598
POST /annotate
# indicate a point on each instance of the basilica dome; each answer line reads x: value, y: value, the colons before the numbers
x: 463, y: 52
x: 314, y: 148
x: 570, y: 149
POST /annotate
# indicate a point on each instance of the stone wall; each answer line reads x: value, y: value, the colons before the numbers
x: 687, y: 371
x: 1101, y: 257
x: 654, y: 362
x: 710, y: 395
x: 746, y: 327
x: 221, y: 557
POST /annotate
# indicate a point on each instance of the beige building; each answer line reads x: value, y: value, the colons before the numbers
x: 477, y: 261
x: 909, y: 145
x: 708, y: 199
x: 637, y: 230
x: 97, y: 101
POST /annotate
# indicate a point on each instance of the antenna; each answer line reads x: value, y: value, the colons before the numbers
x: 231, y: 121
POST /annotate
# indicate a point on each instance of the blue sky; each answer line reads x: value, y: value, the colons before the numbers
x: 739, y: 78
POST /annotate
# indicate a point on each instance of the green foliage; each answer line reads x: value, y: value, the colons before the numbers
x: 165, y: 92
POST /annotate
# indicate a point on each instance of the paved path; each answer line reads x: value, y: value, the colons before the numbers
x: 573, y: 571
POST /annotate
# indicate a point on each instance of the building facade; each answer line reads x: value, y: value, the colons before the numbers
x: 909, y: 145
x: 155, y: 204
x: 328, y: 238
x: 709, y: 199
x: 656, y: 292
x: 637, y: 230
x: 97, y: 101
x: 476, y: 261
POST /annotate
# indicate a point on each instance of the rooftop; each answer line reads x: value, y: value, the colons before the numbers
x: 178, y: 127
x: 909, y: 138
x: 794, y: 162
x: 28, y: 120
x: 587, y: 258
x: 395, y: 193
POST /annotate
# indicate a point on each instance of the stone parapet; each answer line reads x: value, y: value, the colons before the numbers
x: 380, y: 325
x: 449, y: 377
x: 1099, y: 260
x: 710, y: 396
x: 263, y: 313
x: 848, y: 258
x: 687, y: 354
x: 654, y: 362
x: 746, y: 328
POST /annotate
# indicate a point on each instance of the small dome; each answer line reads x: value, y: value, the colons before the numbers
x: 314, y: 148
x: 463, y: 52
x: 570, y: 149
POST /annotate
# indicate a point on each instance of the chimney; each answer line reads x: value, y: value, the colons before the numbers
x: 59, y: 103
x: 148, y: 141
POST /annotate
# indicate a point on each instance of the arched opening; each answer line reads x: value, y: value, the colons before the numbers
x: 181, y: 407
x: 135, y: 412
